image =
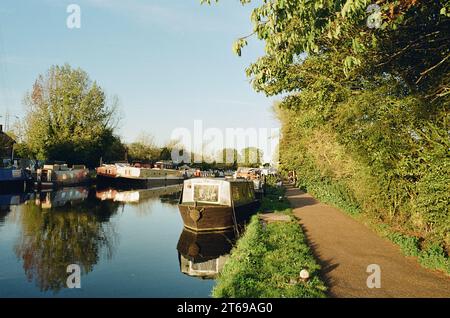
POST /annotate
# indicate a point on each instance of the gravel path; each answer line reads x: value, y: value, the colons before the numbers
x: 345, y: 248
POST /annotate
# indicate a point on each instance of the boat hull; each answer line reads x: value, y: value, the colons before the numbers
x: 105, y: 180
x: 52, y: 177
x: 13, y: 181
x: 14, y: 186
x: 216, y: 217
x: 49, y: 185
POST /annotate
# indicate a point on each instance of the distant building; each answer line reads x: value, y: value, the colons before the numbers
x: 6, y: 144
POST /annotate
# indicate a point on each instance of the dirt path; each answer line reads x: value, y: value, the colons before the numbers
x: 345, y: 248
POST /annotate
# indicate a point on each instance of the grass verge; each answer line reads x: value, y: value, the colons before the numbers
x: 267, y: 260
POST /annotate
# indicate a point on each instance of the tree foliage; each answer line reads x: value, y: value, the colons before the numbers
x: 365, y: 106
x: 229, y: 157
x: 410, y: 32
x: 68, y: 119
x: 144, y: 149
x: 251, y: 157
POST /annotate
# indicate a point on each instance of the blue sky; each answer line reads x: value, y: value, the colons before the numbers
x: 169, y: 61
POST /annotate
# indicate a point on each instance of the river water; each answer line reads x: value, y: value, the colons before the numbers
x: 126, y: 243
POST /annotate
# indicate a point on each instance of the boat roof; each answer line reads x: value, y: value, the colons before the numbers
x: 247, y: 169
x: 216, y: 180
x: 117, y: 164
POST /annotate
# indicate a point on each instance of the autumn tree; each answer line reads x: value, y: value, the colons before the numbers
x: 69, y: 119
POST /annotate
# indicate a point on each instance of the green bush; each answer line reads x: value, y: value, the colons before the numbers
x: 408, y: 244
x: 274, y: 199
x: 435, y: 258
x: 382, y: 156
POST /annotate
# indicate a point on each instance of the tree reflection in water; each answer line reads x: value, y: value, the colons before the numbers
x: 76, y: 232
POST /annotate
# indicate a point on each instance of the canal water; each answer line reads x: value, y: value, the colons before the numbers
x: 126, y: 243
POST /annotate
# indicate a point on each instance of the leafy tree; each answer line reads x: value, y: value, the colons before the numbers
x: 410, y: 40
x: 17, y: 133
x: 68, y: 118
x: 144, y: 149
x: 166, y: 150
x: 6, y: 144
x: 365, y: 105
x: 165, y: 154
x: 229, y: 157
x: 251, y: 157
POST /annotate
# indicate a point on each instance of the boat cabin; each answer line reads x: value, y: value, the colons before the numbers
x: 62, y: 175
x: 218, y: 192
x: 164, y: 165
x: 248, y: 173
x: 217, y: 204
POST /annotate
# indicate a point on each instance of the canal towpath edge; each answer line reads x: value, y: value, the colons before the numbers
x: 345, y: 248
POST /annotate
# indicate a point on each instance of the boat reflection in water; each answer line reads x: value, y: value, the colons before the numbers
x: 123, y: 241
x: 11, y: 200
x: 166, y: 194
x: 62, y: 197
x: 203, y: 254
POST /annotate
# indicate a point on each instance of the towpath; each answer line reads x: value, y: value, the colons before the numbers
x: 345, y: 248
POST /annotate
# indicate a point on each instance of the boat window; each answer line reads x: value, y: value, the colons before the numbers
x: 206, y: 193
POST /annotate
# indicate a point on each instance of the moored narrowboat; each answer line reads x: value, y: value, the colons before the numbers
x: 215, y: 204
x: 255, y: 175
x: 60, y: 175
x: 121, y: 174
x: 12, y: 178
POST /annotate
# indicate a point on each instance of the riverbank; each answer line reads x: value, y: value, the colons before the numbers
x: 269, y: 257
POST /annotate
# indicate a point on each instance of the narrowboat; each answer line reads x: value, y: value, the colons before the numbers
x: 215, y: 204
x: 203, y: 255
x: 60, y: 175
x: 12, y: 178
x: 120, y: 174
x: 254, y: 174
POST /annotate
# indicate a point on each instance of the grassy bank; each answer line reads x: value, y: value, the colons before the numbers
x: 267, y: 259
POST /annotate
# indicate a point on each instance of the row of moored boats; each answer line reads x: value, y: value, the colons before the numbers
x: 206, y: 204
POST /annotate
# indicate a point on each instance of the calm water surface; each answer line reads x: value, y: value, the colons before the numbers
x: 127, y: 243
